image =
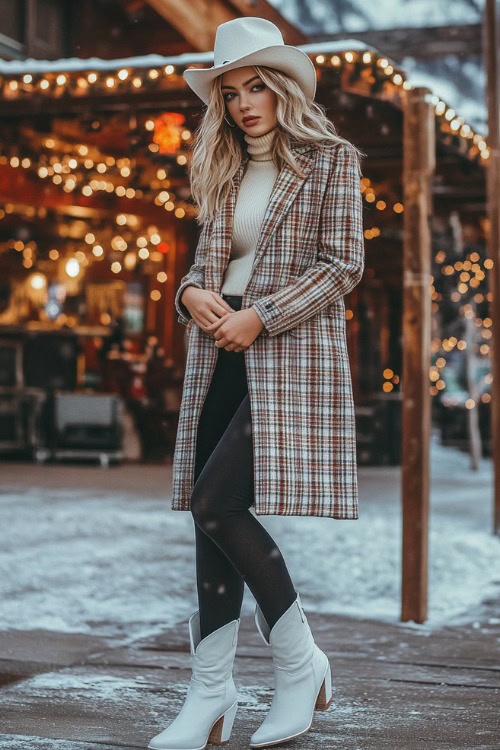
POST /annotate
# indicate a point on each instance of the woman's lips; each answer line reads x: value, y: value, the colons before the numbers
x: 251, y: 121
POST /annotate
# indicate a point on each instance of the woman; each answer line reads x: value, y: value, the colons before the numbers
x: 267, y: 416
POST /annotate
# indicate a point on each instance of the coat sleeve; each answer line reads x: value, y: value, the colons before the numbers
x: 196, y: 274
x: 340, y: 262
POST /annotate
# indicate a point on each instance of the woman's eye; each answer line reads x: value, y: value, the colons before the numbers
x: 257, y: 85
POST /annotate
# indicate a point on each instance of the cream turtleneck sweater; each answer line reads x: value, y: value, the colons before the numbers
x: 251, y: 204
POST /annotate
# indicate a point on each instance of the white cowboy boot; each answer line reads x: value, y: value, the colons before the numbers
x: 302, y: 677
x: 209, y: 709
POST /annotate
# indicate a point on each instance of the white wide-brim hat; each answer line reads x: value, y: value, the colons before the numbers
x: 252, y: 41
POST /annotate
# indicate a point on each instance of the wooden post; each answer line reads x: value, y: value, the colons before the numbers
x: 419, y: 164
x: 491, y: 44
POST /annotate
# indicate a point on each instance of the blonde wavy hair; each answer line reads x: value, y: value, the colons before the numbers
x: 217, y: 150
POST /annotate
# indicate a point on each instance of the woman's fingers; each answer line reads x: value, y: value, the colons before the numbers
x: 222, y: 302
x: 214, y: 313
x: 215, y: 324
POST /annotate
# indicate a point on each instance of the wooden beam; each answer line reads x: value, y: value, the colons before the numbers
x: 90, y: 106
x: 264, y: 9
x: 491, y: 35
x: 419, y: 163
x: 46, y: 29
x: 196, y: 20
x: 137, y: 30
x: 425, y: 43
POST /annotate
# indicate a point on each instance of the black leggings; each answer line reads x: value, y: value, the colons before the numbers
x: 232, y: 546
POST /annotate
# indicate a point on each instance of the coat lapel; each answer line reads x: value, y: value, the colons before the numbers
x: 284, y: 192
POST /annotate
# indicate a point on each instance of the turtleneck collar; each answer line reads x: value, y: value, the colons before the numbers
x: 259, y: 146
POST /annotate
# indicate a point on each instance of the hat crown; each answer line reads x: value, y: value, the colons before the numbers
x: 242, y: 36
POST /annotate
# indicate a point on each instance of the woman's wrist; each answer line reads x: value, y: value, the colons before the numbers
x: 189, y: 286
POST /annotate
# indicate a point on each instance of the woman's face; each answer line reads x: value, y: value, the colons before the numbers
x: 245, y: 95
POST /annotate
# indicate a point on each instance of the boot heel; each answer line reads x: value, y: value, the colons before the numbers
x: 324, y: 699
x: 221, y: 730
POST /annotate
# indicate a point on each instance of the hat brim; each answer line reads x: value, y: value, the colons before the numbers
x: 287, y: 58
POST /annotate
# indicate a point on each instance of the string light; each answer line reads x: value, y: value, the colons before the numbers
x: 375, y: 70
x: 72, y: 267
x: 74, y: 166
x: 96, y: 242
x: 366, y: 63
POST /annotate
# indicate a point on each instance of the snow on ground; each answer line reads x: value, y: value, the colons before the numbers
x: 13, y: 742
x: 99, y: 550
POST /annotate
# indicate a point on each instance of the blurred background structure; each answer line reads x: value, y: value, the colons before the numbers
x: 97, y: 226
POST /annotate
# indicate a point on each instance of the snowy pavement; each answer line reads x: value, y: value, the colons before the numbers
x: 394, y: 688
x: 99, y: 551
x: 97, y: 581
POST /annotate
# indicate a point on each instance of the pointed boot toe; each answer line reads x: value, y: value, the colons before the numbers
x: 302, y: 677
x: 211, y: 702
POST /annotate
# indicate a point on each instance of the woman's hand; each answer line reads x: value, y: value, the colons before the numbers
x: 204, y: 306
x: 235, y: 331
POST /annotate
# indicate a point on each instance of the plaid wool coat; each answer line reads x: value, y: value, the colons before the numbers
x: 310, y: 254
